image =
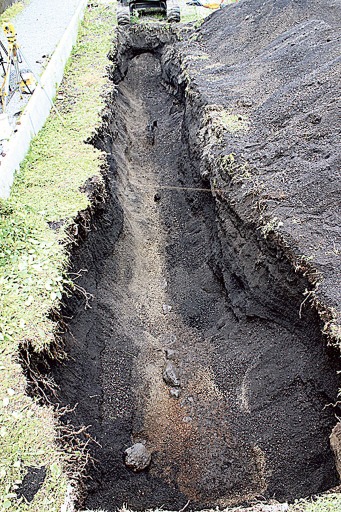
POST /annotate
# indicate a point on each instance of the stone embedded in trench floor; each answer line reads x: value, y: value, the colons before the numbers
x: 174, y: 392
x: 170, y: 353
x: 171, y: 375
x: 138, y: 457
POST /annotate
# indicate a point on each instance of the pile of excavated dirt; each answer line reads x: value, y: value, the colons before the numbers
x: 277, y: 65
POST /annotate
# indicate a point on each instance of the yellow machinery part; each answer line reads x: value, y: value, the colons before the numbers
x: 10, y: 32
x: 28, y: 82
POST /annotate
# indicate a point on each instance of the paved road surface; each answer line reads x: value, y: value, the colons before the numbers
x: 40, y: 26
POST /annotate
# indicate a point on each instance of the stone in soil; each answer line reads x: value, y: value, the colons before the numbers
x: 174, y: 392
x: 171, y: 376
x: 170, y: 353
x: 137, y: 457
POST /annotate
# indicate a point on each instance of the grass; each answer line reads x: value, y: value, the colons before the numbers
x: 13, y: 10
x: 33, y: 259
x: 234, y: 123
x: 190, y: 13
x: 327, y: 503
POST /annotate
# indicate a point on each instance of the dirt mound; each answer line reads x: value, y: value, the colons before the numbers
x: 276, y: 65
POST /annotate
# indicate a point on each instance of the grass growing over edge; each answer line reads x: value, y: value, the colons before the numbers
x: 33, y: 259
x: 326, y: 503
x: 13, y: 10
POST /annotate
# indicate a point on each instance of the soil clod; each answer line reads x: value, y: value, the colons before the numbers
x: 32, y: 482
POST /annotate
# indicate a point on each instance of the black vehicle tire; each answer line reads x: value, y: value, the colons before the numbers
x: 123, y: 15
x: 173, y: 11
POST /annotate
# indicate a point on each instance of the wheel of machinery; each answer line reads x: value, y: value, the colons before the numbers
x: 123, y: 14
x: 173, y: 11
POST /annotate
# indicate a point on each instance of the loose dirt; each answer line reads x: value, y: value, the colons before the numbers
x: 251, y: 418
x: 277, y: 64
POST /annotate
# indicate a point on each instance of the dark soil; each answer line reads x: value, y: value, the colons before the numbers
x: 278, y: 63
x: 31, y: 483
x: 184, y: 277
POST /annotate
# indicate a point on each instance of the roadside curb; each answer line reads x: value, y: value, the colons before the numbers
x: 38, y: 108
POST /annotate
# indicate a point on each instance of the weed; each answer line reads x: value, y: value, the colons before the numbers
x: 13, y: 11
x: 201, y: 56
x: 271, y: 226
x: 327, y: 503
x: 218, y: 121
x: 238, y: 172
x: 233, y: 123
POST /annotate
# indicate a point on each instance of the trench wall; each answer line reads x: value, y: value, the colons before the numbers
x: 262, y: 289
x: 267, y: 354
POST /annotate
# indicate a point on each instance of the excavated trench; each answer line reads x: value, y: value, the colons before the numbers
x: 179, y: 280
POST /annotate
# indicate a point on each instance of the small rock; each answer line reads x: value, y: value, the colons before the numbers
x: 205, y: 174
x: 137, y: 457
x: 166, y: 308
x: 170, y: 375
x: 163, y: 284
x: 245, y: 102
x: 152, y: 131
x: 168, y: 339
x: 174, y: 392
x: 170, y: 353
x: 221, y: 323
x: 157, y: 197
x: 314, y: 118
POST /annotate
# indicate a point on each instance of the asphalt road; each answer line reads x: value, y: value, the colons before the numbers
x: 40, y: 26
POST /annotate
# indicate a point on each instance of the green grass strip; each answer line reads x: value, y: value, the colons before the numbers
x: 12, y: 11
x: 326, y: 503
x: 33, y: 258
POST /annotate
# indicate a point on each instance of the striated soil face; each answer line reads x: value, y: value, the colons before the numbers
x: 277, y: 65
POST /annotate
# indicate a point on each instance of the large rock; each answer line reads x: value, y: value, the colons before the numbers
x: 137, y: 457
